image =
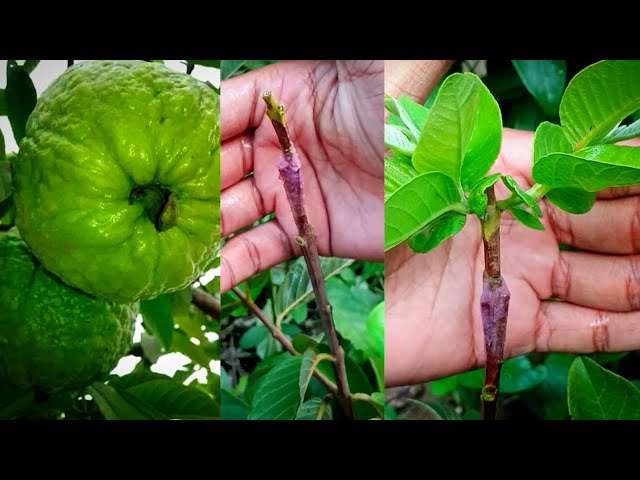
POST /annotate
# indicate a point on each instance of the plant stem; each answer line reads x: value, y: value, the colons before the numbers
x: 280, y: 337
x: 291, y: 175
x: 494, y: 304
x: 206, y: 302
x: 536, y: 192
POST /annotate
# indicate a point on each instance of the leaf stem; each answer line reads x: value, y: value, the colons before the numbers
x: 536, y: 192
x: 206, y: 302
x: 494, y: 306
x: 281, y: 337
x: 291, y: 175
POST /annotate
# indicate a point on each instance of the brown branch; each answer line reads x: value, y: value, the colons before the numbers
x: 494, y: 304
x: 281, y: 337
x: 206, y: 302
x: 290, y: 170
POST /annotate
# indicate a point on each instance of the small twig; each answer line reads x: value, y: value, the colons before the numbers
x: 291, y: 174
x: 281, y: 337
x: 206, y: 302
x: 494, y: 304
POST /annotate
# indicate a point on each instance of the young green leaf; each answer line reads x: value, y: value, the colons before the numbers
x: 545, y: 80
x: 477, y: 197
x: 436, y: 232
x: 417, y: 203
x: 518, y: 375
x: 278, y: 395
x: 550, y: 138
x: 409, y: 120
x: 484, y: 146
x: 598, y: 98
x: 511, y: 184
x: 302, y: 342
x: 449, y: 127
x: 20, y: 97
x: 526, y: 218
x: 595, y: 393
x: 395, y: 139
x: 310, y: 360
x: 591, y: 169
x: 417, y: 113
x: 375, y: 329
x: 623, y: 132
x: 314, y: 409
x: 396, y: 174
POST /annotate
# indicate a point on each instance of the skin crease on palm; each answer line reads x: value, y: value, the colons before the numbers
x: 335, y: 121
x: 432, y: 318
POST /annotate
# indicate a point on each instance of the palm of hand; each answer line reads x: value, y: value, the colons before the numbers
x: 331, y: 110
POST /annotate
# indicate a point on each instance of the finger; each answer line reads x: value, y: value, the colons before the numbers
x: 413, y: 78
x: 612, y: 226
x: 253, y: 251
x: 236, y: 159
x: 604, y: 282
x: 241, y: 205
x: 563, y: 327
x: 241, y: 107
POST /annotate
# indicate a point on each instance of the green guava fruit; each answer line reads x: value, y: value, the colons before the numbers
x: 52, y: 336
x: 117, y: 181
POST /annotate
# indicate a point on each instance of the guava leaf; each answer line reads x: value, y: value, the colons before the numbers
x: 314, y: 409
x: 550, y: 138
x: 417, y: 203
x: 417, y: 113
x: 395, y: 139
x: 443, y: 227
x: 477, y: 197
x: 526, y: 218
x: 447, y: 132
x: 511, y: 184
x: 277, y: 395
x: 309, y: 363
x: 595, y: 393
x: 375, y: 329
x: 396, y: 174
x: 176, y: 401
x: 20, y: 98
x: 591, y: 169
x: 597, y: 99
x: 623, y: 132
x: 484, y: 146
x: 409, y: 119
x: 545, y: 80
x: 229, y: 67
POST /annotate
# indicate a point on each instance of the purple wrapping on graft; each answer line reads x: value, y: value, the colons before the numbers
x: 494, y: 304
x: 291, y: 175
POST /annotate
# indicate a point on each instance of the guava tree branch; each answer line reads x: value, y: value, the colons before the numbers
x: 290, y: 170
x: 494, y: 306
x: 206, y: 302
x: 281, y: 337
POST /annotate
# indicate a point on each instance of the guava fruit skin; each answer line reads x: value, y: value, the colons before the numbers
x: 100, y: 130
x: 54, y: 337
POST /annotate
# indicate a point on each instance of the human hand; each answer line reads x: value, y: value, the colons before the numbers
x: 335, y: 119
x: 432, y: 323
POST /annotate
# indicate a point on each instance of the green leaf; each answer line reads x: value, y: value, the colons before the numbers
x: 523, y: 114
x: 297, y: 288
x: 424, y: 410
x: 350, y: 308
x: 264, y: 367
x: 187, y: 318
x: 484, y: 146
x: 447, y: 132
x: 549, y: 399
x: 176, y: 401
x: 519, y: 375
x: 604, y: 358
x: 375, y: 329
x: 417, y: 203
x: 182, y: 343
x: 545, y: 80
x: 113, y: 405
x: 3, y: 154
x: 30, y: 65
x: 20, y: 98
x: 446, y: 225
x: 205, y: 63
x: 377, y: 364
x: 14, y: 401
x: 394, y: 138
x: 303, y: 342
x: 390, y: 413
x: 623, y: 132
x: 477, y: 197
x: 550, y: 138
x: 3, y: 103
x: 396, y: 174
x: 416, y: 113
x: 310, y: 361
x: 231, y: 407
x: 398, y: 109
x: 591, y: 169
x: 597, y: 99
x: 595, y: 393
x: 278, y: 395
x: 526, y: 218
x: 444, y: 385
x: 6, y: 186
x: 511, y: 184
x: 158, y: 319
x: 253, y: 337
x: 314, y: 409
x: 229, y: 67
